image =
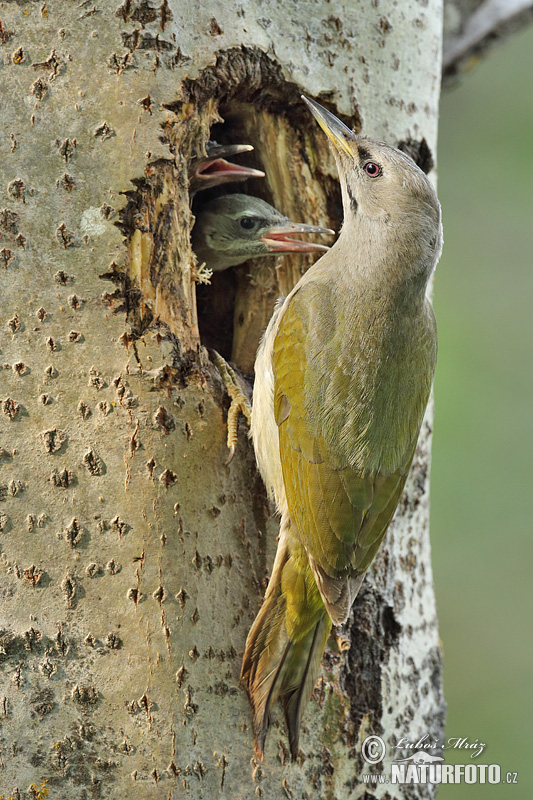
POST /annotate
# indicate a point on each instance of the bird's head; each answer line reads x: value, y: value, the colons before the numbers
x: 235, y: 227
x: 214, y: 169
x: 385, y: 194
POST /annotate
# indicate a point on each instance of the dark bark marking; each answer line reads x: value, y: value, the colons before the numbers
x: 104, y: 131
x: 419, y: 152
x: 39, y: 88
x: 93, y: 569
x: 66, y: 182
x: 96, y: 380
x: 73, y: 533
x: 84, y: 410
x: 20, y: 368
x: 14, y: 324
x: 33, y: 574
x: 19, y: 56
x: 164, y: 420
x: 113, y: 641
x: 168, y: 477
x: 135, y: 595
x: 112, y: 568
x: 54, y: 63
x: 66, y: 148
x: 62, y: 277
x: 69, y: 589
x: 85, y: 695
x: 6, y: 257
x: 9, y: 221
x: 75, y: 302
x: 65, y: 237
x: 143, y: 40
x: 62, y: 478
x: 105, y: 408
x: 53, y: 440
x: 120, y: 526
x: 10, y: 408
x: 94, y: 463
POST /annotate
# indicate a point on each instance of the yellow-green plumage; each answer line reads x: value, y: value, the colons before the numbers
x: 286, y: 642
x: 341, y: 496
x: 343, y: 377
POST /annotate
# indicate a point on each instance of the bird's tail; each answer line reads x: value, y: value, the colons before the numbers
x: 286, y: 642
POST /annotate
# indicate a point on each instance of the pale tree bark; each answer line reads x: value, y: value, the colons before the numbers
x: 132, y: 561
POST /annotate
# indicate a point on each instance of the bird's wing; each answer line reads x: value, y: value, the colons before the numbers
x: 340, y: 513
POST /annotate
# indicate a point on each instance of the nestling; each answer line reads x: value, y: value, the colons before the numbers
x: 235, y: 227
x: 343, y: 376
x: 214, y: 170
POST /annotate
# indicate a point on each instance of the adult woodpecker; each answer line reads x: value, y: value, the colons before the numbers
x: 342, y: 379
x: 213, y: 169
x: 235, y: 227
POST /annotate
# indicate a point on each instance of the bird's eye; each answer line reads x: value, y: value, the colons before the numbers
x: 248, y: 223
x: 372, y: 169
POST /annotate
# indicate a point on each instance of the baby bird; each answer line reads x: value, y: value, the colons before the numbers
x: 235, y: 227
x: 214, y: 170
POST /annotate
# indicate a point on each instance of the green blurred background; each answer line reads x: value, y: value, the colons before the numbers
x: 482, y: 473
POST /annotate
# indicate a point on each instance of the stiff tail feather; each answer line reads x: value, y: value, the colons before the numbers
x: 286, y: 642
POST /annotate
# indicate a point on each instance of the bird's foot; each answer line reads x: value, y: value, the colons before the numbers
x: 239, y: 401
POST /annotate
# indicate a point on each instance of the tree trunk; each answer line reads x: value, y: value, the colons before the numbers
x: 133, y: 561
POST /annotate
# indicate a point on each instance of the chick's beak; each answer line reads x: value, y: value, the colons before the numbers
x: 224, y: 171
x: 216, y: 150
x: 214, y: 169
x: 278, y: 238
x: 341, y: 136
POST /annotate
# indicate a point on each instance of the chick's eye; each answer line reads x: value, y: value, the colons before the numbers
x: 372, y: 169
x: 248, y: 223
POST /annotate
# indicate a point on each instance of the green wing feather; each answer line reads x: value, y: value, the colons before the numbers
x: 340, y: 513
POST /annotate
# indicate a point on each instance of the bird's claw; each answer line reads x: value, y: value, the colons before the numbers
x: 231, y: 454
x: 239, y: 402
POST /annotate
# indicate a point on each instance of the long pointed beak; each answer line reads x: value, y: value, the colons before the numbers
x: 336, y: 131
x: 278, y: 238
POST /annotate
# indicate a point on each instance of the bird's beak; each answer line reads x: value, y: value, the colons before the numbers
x: 214, y: 169
x: 223, y: 171
x: 342, y: 137
x: 216, y: 150
x: 278, y: 238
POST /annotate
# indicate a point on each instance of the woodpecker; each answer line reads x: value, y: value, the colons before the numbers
x: 235, y: 227
x: 213, y: 169
x: 342, y: 378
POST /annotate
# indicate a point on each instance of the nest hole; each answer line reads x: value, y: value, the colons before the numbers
x: 216, y: 301
x: 234, y: 309
x: 242, y: 99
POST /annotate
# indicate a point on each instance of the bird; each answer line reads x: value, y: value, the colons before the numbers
x: 213, y: 169
x: 235, y: 227
x: 342, y: 379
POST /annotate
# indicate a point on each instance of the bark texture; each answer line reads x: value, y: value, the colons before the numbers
x: 132, y: 562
